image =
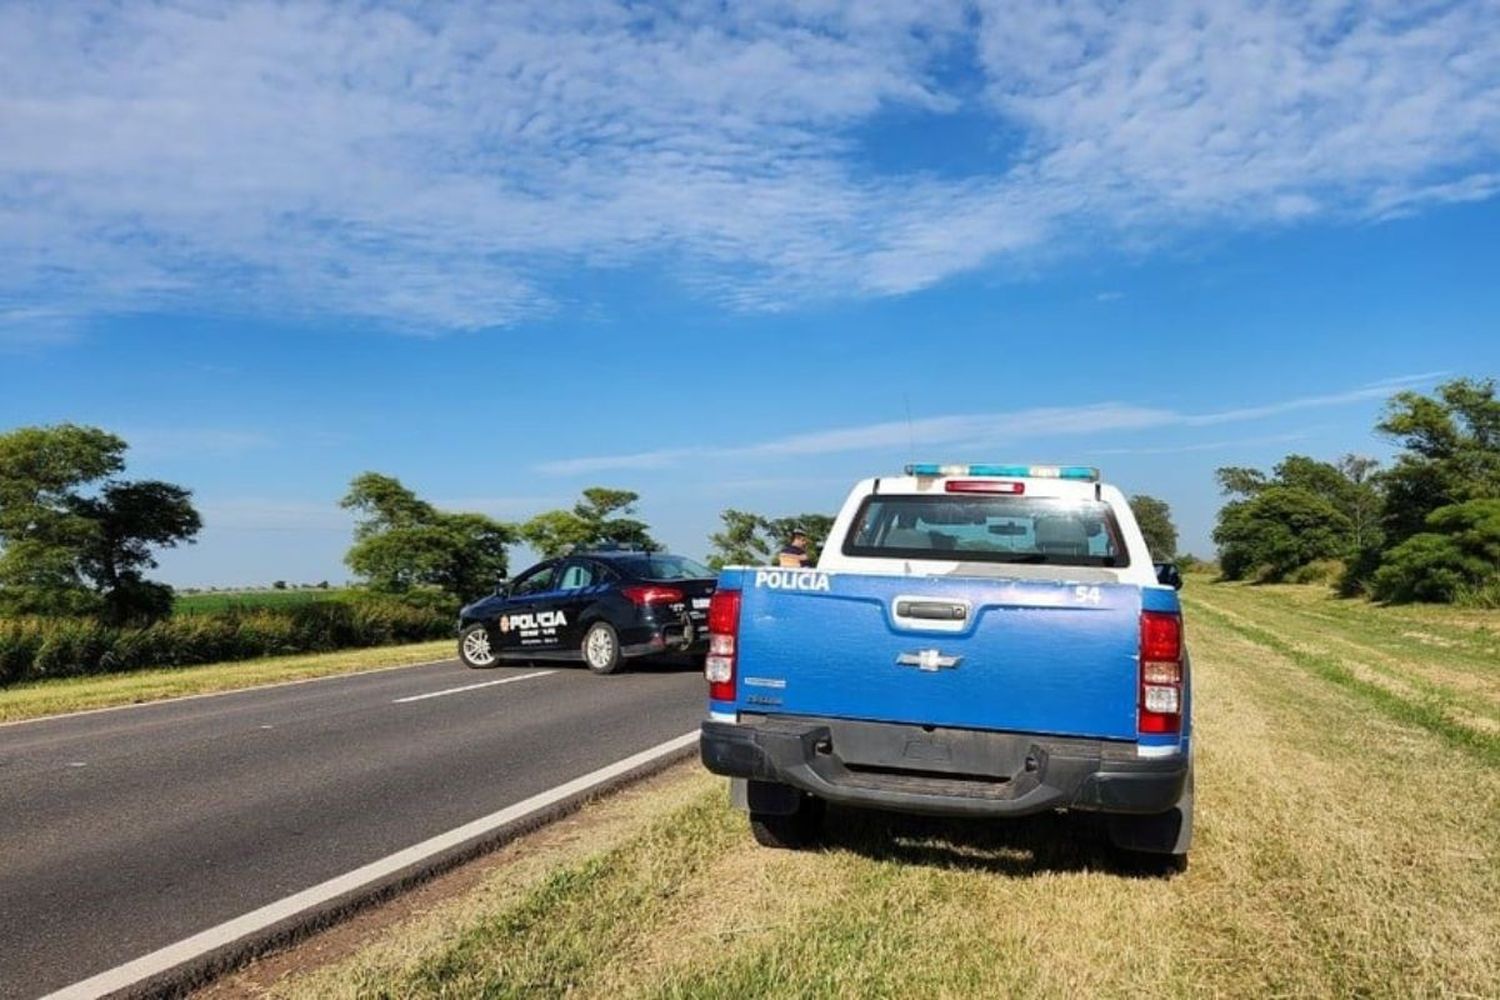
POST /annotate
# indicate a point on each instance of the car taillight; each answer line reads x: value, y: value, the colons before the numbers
x: 983, y: 486
x: 723, y: 636
x: 1160, y: 708
x: 652, y: 595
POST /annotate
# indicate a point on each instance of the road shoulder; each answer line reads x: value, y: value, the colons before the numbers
x: 77, y: 695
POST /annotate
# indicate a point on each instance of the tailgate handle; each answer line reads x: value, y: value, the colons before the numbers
x: 942, y: 611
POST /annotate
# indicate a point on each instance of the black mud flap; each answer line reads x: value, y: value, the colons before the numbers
x: 1169, y: 832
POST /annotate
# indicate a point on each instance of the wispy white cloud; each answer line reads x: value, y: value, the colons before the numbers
x: 978, y: 430
x: 891, y: 434
x: 1224, y: 445
x: 1406, y: 381
x: 28, y: 328
x: 1373, y: 391
x: 438, y: 167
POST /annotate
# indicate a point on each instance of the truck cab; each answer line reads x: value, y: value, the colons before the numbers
x: 976, y: 640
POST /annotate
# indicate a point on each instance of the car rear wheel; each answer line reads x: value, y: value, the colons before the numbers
x: 601, y: 648
x: 475, y: 649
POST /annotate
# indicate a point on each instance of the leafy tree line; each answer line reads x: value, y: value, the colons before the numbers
x: 77, y: 539
x: 403, y: 544
x: 1427, y: 528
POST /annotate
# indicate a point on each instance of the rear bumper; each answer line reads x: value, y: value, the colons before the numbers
x: 1021, y: 775
x: 672, y: 637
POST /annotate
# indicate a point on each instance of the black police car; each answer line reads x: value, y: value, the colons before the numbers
x: 599, y: 607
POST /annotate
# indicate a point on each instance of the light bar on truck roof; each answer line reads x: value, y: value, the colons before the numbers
x: 1084, y: 473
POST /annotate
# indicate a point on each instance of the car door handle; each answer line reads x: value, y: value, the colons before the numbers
x: 942, y: 611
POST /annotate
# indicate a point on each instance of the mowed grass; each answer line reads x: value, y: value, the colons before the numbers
x: 1345, y: 847
x: 74, y: 694
x: 252, y: 600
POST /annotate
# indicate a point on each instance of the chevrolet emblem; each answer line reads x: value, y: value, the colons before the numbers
x: 929, y: 660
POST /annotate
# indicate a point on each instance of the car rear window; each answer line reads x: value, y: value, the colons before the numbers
x: 664, y: 568
x: 1048, y: 530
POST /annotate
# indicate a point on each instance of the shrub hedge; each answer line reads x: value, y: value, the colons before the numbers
x: 36, y: 648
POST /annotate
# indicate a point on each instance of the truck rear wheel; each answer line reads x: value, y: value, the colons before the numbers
x: 790, y: 831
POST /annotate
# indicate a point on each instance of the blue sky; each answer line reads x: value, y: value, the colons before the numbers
x: 731, y: 258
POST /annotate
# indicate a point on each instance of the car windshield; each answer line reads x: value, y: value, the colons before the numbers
x: 988, y: 529
x: 662, y: 567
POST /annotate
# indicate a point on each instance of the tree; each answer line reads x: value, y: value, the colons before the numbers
x: 131, y: 519
x: 1458, y: 555
x: 1305, y: 510
x: 752, y: 539
x: 1155, y: 519
x: 402, y: 542
x: 383, y: 504
x: 1278, y: 530
x: 597, y: 519
x: 1451, y: 454
x: 1364, y: 498
x: 76, y: 541
x: 742, y: 541
x: 1236, y: 480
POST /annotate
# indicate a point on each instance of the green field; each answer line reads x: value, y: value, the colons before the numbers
x: 1348, y: 845
x: 250, y: 600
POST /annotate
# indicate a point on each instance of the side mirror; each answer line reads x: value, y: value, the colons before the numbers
x: 502, y: 587
x: 1169, y: 575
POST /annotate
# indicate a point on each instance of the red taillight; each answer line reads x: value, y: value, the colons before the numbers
x: 983, y: 486
x: 652, y: 595
x: 723, y: 634
x: 1160, y: 706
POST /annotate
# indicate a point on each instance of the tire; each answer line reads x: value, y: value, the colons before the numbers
x: 601, y: 648
x: 475, y: 648
x: 792, y: 831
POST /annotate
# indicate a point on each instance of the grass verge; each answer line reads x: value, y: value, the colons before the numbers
x: 1428, y: 712
x: 1343, y: 850
x: 74, y: 694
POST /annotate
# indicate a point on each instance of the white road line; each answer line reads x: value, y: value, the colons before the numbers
x: 470, y: 687
x: 220, y: 694
x: 164, y: 959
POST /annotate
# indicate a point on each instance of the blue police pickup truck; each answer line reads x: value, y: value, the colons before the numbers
x: 976, y: 640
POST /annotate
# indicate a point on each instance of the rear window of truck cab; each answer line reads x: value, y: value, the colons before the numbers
x: 1002, y: 529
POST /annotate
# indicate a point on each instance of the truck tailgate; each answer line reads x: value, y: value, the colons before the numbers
x: 1024, y: 656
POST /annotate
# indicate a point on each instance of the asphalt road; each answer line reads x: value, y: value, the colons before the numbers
x: 125, y: 831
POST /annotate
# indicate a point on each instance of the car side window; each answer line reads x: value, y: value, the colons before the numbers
x: 535, y: 581
x: 576, y: 576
